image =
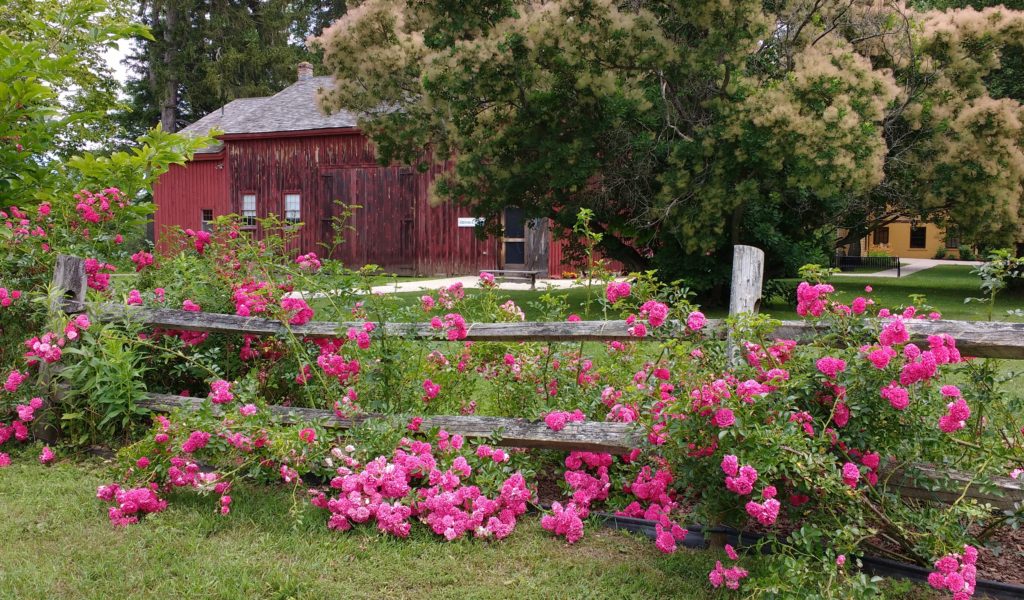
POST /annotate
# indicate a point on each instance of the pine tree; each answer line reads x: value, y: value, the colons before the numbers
x: 205, y: 53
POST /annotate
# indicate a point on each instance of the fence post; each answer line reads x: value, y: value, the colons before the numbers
x: 744, y: 297
x: 69, y: 285
x: 69, y: 281
x: 745, y: 293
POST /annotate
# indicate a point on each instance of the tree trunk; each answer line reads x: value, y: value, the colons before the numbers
x: 737, y: 224
x: 611, y: 246
x: 169, y: 101
x: 614, y: 248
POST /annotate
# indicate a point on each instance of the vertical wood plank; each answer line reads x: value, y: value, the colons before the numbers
x: 745, y: 293
x: 69, y: 287
x: 69, y: 281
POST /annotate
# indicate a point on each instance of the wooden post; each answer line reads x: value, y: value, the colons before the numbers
x: 745, y: 294
x: 69, y: 281
x: 744, y: 297
x: 69, y: 285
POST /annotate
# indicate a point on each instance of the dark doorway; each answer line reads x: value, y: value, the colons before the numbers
x: 514, y: 240
x: 526, y: 242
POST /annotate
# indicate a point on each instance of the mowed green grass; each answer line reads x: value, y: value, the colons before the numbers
x: 58, y: 543
x: 944, y: 288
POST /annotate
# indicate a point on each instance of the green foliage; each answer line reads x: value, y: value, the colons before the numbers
x: 816, y: 273
x: 204, y: 54
x: 103, y: 380
x: 780, y: 291
x: 1002, y: 267
x: 61, y: 44
x: 687, y: 128
x: 56, y: 101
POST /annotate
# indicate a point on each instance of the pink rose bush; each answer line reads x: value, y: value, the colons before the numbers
x: 617, y: 290
x: 956, y: 573
x: 309, y: 262
x: 130, y: 504
x: 428, y: 484
x: 795, y: 441
x: 557, y: 420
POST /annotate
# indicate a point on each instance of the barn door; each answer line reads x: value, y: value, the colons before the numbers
x: 537, y: 242
x: 407, y: 236
x: 525, y: 243
x: 381, y: 231
x: 340, y: 190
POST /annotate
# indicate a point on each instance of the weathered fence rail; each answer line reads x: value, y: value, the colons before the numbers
x: 995, y: 340
x: 980, y: 339
x: 590, y: 436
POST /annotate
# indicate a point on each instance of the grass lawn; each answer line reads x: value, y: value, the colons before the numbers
x: 944, y: 288
x: 57, y: 543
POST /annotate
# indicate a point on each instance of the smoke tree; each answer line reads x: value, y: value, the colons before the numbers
x: 688, y: 127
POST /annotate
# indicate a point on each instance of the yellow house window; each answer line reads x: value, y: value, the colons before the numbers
x: 882, y: 235
x: 918, y: 237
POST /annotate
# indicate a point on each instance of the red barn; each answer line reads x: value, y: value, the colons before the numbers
x: 280, y: 155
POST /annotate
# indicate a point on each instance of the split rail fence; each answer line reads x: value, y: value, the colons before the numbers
x: 980, y: 339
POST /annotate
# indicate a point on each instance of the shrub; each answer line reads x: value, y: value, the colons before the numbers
x: 806, y: 435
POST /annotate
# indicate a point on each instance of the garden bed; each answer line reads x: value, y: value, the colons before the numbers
x: 664, y: 415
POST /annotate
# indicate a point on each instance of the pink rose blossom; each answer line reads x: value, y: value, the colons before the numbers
x: 724, y: 418
x: 617, y: 290
x: 851, y: 474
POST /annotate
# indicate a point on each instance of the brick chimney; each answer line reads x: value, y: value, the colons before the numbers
x: 305, y: 70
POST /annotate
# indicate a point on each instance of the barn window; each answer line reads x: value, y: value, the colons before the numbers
x: 207, y: 220
x: 918, y: 237
x: 292, y: 208
x: 882, y: 235
x: 249, y: 210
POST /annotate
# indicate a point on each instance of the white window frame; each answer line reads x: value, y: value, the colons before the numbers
x: 249, y: 211
x: 292, y: 208
x: 204, y: 223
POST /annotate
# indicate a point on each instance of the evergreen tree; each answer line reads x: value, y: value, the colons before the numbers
x: 205, y: 53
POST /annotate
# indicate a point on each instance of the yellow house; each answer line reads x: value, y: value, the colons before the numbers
x: 907, y: 239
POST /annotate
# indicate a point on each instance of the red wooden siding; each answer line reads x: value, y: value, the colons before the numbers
x: 441, y: 246
x: 558, y: 260
x: 184, y: 191
x: 395, y: 228
x: 270, y: 168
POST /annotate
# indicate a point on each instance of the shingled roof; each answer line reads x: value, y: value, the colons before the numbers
x: 294, y: 108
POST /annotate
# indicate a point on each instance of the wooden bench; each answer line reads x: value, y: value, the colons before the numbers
x: 514, y: 275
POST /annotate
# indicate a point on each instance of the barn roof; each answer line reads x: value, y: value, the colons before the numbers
x: 294, y: 108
